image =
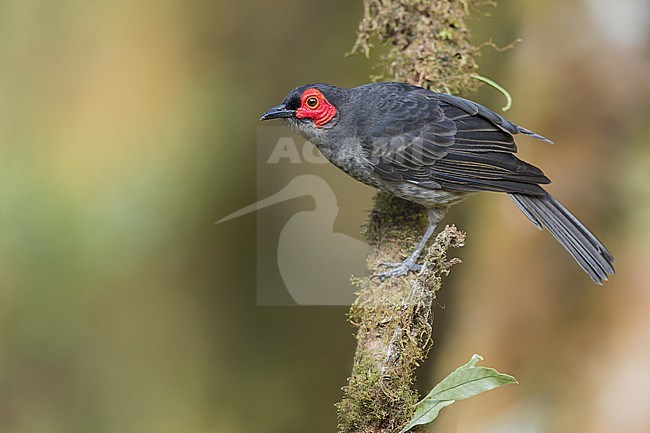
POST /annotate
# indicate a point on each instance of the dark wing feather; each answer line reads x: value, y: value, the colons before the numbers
x: 444, y: 142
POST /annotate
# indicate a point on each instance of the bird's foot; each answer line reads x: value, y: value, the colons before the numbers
x: 398, y: 269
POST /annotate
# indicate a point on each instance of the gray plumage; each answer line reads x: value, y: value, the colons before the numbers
x: 435, y: 149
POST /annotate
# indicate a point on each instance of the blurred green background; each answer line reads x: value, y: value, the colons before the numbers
x: 127, y: 128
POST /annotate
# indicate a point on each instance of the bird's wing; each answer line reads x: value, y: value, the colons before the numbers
x: 444, y: 142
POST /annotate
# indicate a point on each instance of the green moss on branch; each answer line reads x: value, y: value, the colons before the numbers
x: 394, y: 320
x: 429, y: 41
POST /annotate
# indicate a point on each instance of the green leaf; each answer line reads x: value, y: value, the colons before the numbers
x: 467, y: 381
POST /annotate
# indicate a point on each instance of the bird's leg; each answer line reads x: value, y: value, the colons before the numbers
x: 410, y: 264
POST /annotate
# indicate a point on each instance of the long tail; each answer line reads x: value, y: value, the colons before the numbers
x: 586, y: 249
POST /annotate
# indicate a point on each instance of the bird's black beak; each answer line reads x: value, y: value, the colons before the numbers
x: 278, y: 111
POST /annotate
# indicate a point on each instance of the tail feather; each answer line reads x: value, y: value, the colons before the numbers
x: 546, y: 212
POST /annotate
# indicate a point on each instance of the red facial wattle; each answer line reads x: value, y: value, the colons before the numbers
x: 321, y: 112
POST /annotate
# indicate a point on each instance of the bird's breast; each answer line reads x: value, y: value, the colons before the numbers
x: 351, y: 159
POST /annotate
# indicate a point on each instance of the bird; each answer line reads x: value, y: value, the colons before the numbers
x: 434, y: 149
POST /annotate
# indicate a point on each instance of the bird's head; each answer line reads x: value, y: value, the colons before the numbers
x: 310, y: 108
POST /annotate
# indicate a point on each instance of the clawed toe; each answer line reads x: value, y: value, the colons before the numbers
x: 398, y: 269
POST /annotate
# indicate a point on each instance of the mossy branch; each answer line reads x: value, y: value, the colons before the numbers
x: 394, y: 319
x: 429, y: 42
x: 429, y: 46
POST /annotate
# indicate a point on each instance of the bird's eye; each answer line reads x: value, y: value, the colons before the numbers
x: 312, y: 102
